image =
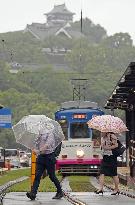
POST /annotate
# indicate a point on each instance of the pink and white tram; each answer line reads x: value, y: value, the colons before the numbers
x: 80, y: 152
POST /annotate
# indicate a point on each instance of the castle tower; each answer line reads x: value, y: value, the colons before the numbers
x: 59, y: 15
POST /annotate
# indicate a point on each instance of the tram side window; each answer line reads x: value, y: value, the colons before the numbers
x: 96, y: 137
x: 79, y: 130
x: 64, y: 126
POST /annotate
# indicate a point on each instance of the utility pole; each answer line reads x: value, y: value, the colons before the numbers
x: 80, y: 84
x: 79, y: 88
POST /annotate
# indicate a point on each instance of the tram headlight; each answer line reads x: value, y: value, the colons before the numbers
x: 80, y: 153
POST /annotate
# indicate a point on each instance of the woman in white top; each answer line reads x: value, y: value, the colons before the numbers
x: 109, y: 162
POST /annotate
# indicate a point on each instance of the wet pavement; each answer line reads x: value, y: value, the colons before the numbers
x: 87, y: 198
x: 107, y: 199
x: 19, y: 198
x: 45, y: 198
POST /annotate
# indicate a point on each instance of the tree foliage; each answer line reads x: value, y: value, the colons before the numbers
x: 39, y: 89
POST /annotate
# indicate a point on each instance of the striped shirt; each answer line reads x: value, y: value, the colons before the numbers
x: 46, y: 139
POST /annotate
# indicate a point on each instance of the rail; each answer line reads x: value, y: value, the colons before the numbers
x: 76, y: 201
x: 4, y: 187
x: 70, y: 198
x: 73, y: 200
x: 126, y: 193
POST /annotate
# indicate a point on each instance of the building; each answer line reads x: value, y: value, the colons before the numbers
x: 59, y: 22
x: 59, y: 16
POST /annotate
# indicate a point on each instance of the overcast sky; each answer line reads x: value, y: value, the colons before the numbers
x: 114, y: 15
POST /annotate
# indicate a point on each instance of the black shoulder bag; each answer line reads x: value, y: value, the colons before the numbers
x: 118, y: 151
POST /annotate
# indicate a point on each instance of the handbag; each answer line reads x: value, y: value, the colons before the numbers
x: 118, y: 151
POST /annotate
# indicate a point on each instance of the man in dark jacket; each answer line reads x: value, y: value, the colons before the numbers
x: 45, y: 160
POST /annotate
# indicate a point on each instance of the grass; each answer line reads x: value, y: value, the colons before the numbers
x: 80, y: 184
x: 108, y: 180
x: 14, y: 174
x: 45, y: 186
x: 77, y: 183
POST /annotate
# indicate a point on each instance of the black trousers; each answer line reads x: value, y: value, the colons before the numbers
x: 45, y: 161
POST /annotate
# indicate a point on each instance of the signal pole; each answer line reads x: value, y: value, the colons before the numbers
x: 79, y: 84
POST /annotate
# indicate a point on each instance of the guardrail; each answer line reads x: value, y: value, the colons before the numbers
x: 4, y: 187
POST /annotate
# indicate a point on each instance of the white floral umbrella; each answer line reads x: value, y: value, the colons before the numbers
x: 107, y: 123
x: 29, y: 129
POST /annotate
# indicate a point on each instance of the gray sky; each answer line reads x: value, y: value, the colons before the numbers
x: 114, y: 15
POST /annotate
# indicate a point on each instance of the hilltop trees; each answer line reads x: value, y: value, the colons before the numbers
x: 94, y: 33
x: 100, y: 58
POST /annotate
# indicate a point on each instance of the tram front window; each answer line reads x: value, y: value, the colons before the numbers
x: 79, y: 130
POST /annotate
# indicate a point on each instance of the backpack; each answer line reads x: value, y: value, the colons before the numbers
x: 57, y: 150
x: 118, y: 151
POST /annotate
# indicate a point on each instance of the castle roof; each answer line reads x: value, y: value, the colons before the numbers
x: 60, y: 9
x: 41, y: 31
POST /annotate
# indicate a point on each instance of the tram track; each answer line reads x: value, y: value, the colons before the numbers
x: 71, y: 198
x: 125, y: 193
x: 68, y: 194
x: 122, y: 192
x: 5, y: 187
x: 74, y: 200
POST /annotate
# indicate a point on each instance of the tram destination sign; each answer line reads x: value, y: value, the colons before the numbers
x: 79, y: 116
x: 5, y: 118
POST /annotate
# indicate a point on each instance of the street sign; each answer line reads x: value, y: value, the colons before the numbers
x: 5, y: 118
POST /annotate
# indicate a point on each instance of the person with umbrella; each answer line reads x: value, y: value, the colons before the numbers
x: 42, y: 135
x: 45, y: 160
x: 109, y: 127
x: 109, y: 161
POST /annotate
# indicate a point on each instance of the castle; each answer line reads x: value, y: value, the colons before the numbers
x: 59, y: 21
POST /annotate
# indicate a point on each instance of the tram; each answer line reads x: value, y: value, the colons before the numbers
x: 80, y: 152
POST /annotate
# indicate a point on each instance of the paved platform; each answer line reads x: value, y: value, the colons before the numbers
x: 19, y: 198
x: 45, y: 198
x: 106, y: 199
